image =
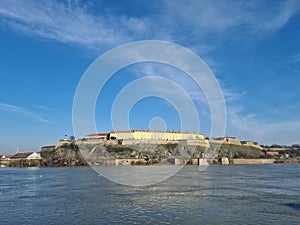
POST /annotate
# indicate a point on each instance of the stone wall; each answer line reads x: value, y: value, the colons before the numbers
x: 252, y: 161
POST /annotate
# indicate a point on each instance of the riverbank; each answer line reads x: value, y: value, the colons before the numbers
x: 262, y: 161
x: 68, y: 153
x: 143, y: 162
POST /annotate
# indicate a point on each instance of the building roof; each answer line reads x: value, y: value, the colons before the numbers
x: 157, y: 131
x: 21, y: 155
x: 98, y: 135
x: 7, y: 155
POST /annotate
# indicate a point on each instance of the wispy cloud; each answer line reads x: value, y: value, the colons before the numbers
x: 222, y: 16
x: 75, y: 23
x: 65, y: 23
x: 251, y: 126
x: 22, y: 111
x: 45, y: 108
x: 296, y: 58
x: 188, y: 84
x: 179, y: 21
x: 283, y: 66
x: 174, y: 75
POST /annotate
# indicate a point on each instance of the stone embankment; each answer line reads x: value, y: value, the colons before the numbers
x: 21, y: 163
x: 252, y: 161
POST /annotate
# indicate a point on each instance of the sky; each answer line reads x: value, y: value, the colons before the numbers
x: 252, y: 48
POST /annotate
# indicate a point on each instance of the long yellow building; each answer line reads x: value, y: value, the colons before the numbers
x: 155, y: 135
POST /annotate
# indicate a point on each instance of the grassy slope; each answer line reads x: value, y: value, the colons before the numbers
x: 240, y: 151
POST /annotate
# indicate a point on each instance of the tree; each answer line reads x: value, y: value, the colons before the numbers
x: 275, y: 146
x: 72, y: 138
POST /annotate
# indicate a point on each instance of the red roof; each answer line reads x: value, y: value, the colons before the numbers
x: 8, y: 155
x: 21, y: 155
x: 98, y: 135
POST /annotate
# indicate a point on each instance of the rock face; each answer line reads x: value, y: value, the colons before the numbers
x: 67, y: 154
x: 97, y: 154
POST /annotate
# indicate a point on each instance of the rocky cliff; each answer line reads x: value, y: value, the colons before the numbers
x: 67, y: 154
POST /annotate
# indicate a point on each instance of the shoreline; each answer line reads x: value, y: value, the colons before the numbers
x: 69, y: 153
x: 193, y: 162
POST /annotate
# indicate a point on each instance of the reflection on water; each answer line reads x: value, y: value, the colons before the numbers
x: 251, y: 194
x: 138, y: 175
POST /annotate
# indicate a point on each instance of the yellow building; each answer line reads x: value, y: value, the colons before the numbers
x: 155, y: 135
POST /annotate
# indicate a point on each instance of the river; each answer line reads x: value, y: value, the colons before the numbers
x: 235, y: 194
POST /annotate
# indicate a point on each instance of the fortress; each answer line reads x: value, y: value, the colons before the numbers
x: 127, y: 137
x: 156, y: 135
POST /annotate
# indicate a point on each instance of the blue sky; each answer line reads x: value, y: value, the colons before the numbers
x: 252, y: 47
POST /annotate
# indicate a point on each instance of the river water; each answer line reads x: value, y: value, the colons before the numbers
x: 235, y: 194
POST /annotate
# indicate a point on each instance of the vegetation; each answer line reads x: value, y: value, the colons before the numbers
x: 240, y: 151
x: 165, y: 150
x: 119, y: 150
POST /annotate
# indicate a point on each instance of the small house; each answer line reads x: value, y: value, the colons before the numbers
x: 34, y: 155
x: 6, y: 156
x: 21, y: 155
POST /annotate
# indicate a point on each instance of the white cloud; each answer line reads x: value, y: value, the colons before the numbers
x: 178, y: 77
x: 22, y: 111
x: 283, y: 66
x: 296, y: 58
x: 252, y: 127
x: 175, y: 20
x: 52, y: 20
x: 45, y: 108
x: 219, y: 16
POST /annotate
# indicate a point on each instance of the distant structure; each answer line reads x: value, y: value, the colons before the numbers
x: 6, y: 156
x: 100, y: 136
x: 133, y: 137
x: 250, y: 143
x: 128, y: 137
x: 64, y: 141
x: 226, y: 140
x: 26, y: 156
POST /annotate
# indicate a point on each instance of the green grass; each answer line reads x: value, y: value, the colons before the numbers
x: 240, y: 151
